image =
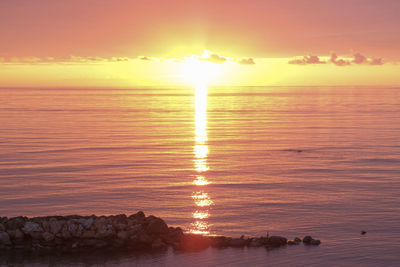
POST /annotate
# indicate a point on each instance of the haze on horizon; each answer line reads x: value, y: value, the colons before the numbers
x: 136, y: 43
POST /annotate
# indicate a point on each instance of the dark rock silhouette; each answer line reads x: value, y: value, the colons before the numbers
x: 120, y: 232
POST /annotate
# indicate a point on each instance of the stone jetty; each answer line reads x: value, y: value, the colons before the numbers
x: 135, y: 232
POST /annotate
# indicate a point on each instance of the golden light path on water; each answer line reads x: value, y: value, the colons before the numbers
x: 201, y: 198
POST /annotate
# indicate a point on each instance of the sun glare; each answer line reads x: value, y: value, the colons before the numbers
x: 200, y: 72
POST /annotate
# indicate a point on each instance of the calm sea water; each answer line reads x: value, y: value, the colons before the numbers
x: 292, y: 161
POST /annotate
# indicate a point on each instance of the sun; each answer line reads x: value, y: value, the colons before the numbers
x: 200, y: 72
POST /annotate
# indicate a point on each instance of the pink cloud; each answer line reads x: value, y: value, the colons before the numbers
x: 306, y: 60
x: 359, y: 59
x: 339, y: 62
x: 376, y: 61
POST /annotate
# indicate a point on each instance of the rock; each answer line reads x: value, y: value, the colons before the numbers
x: 16, y: 234
x: 100, y: 222
x: 138, y: 215
x: 5, y: 238
x: 363, y: 232
x: 276, y: 241
x: 237, y: 242
x: 135, y: 228
x: 144, y: 238
x: 297, y: 240
x: 123, y: 235
x: 138, y: 218
x: 256, y: 242
x: 315, y: 242
x: 174, y: 235
x: 119, y: 220
x: 65, y: 234
x: 106, y: 232
x: 48, y: 236
x: 15, y: 223
x: 75, y: 229
x: 158, y: 245
x: 219, y: 242
x: 32, y: 227
x: 157, y: 226
x: 307, y: 239
x: 19, y: 234
x: 121, y: 226
x: 86, y: 223
x: 45, y: 225
x: 33, y: 230
x: 88, y: 234
x: 71, y: 233
x: 55, y: 225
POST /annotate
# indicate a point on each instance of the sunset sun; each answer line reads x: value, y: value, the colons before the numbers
x: 199, y: 71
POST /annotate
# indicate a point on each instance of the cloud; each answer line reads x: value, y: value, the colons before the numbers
x: 376, y: 61
x: 212, y: 57
x: 119, y: 59
x: 246, y: 61
x: 145, y: 58
x: 339, y: 62
x: 31, y: 60
x: 73, y: 59
x: 62, y: 60
x: 359, y: 59
x: 306, y: 60
x: 79, y: 59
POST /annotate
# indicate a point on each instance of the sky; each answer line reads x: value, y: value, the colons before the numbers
x: 152, y: 42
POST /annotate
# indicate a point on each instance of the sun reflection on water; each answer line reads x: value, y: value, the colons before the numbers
x: 201, y: 198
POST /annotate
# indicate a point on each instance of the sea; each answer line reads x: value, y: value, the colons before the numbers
x: 292, y: 161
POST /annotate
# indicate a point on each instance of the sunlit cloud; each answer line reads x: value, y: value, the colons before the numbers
x: 80, y: 59
x: 306, y: 60
x: 77, y: 59
x: 28, y: 60
x: 71, y: 59
x: 212, y: 57
x: 376, y: 61
x: 361, y: 59
x: 246, y: 61
x: 146, y: 58
x: 339, y: 61
x: 119, y: 59
x: 357, y: 59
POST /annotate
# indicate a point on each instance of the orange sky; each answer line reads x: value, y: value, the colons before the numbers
x: 105, y: 39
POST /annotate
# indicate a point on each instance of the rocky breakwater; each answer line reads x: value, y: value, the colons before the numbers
x: 134, y: 232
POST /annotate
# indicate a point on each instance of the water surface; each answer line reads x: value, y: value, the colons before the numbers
x: 288, y: 160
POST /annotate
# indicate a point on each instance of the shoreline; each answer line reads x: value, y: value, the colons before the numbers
x: 136, y: 232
